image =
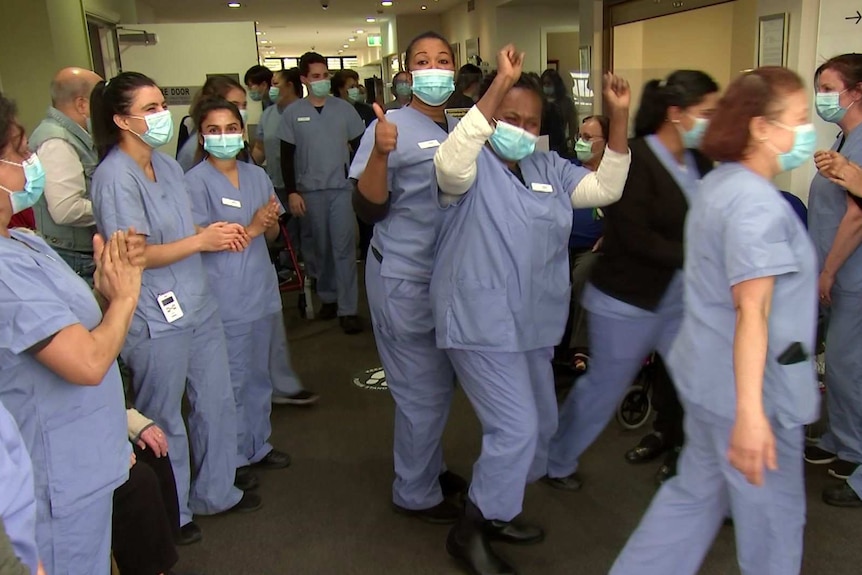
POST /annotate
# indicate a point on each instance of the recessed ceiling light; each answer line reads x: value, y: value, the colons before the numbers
x: 346, y: 46
x: 371, y: 20
x: 424, y: 7
x: 351, y: 39
x: 258, y: 33
x: 234, y: 5
x: 341, y: 51
x: 386, y: 3
x: 360, y: 31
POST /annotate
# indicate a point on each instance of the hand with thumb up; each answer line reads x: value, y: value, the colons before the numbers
x: 385, y: 133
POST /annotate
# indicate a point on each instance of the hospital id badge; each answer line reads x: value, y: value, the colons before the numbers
x: 170, y: 306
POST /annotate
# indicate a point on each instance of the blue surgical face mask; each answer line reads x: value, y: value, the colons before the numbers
x: 584, y: 150
x: 244, y: 115
x: 321, y: 88
x: 223, y: 146
x: 548, y: 90
x: 403, y: 89
x: 828, y: 106
x: 433, y: 86
x: 511, y: 142
x: 354, y: 94
x: 160, y: 128
x: 34, y: 184
x: 274, y: 93
x: 804, y: 143
x: 691, y: 139
x: 254, y: 95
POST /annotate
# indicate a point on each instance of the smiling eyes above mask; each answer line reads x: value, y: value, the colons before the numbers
x: 511, y: 142
x: 34, y: 184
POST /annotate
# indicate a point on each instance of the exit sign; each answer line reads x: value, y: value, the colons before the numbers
x: 374, y: 41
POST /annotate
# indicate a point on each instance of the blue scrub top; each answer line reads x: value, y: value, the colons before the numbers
x: 321, y: 138
x: 245, y: 283
x: 739, y: 228
x: 827, y: 204
x: 267, y: 132
x: 501, y: 272
x: 123, y: 196
x: 76, y: 435
x: 408, y: 235
x: 17, y: 497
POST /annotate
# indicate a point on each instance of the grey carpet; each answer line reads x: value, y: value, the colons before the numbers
x: 329, y: 513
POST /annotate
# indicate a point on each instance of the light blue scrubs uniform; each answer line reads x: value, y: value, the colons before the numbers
x: 17, y: 498
x: 76, y: 435
x: 827, y: 204
x: 621, y: 337
x: 322, y: 162
x: 187, y: 355
x: 267, y: 132
x: 246, y: 287
x: 739, y: 228
x: 418, y: 374
x: 500, y: 295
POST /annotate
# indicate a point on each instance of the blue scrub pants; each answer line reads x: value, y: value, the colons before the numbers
x: 78, y: 543
x: 844, y: 377
x: 514, y: 398
x: 254, y: 349
x: 681, y: 523
x: 332, y: 223
x: 195, y: 362
x: 618, y: 349
x: 421, y: 381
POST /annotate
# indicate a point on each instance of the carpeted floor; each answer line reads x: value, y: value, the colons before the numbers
x: 329, y: 513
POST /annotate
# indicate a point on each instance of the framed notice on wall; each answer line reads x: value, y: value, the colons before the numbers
x: 772, y: 40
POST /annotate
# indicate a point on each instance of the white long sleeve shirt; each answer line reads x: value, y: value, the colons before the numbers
x: 65, y: 186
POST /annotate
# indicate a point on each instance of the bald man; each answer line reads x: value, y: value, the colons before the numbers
x: 64, y: 215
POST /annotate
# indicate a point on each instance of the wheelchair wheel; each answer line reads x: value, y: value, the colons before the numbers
x: 635, y: 408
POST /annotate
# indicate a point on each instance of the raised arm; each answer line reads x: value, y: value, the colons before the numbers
x: 455, y: 160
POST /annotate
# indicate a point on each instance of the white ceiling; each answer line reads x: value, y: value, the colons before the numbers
x: 293, y: 27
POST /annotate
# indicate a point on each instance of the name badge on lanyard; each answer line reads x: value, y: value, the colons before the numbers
x: 429, y: 144
x: 170, y: 306
x: 231, y: 203
x: 543, y: 188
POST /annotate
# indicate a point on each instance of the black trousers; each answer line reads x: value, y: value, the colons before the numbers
x: 146, y: 517
x: 669, y: 416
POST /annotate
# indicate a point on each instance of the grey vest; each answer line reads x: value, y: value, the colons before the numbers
x: 58, y: 125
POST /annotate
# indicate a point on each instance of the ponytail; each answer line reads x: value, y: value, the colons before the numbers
x: 683, y: 89
x: 109, y: 99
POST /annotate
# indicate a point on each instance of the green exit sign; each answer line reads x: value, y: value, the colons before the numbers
x: 374, y: 41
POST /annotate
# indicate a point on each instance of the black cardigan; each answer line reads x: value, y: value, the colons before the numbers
x: 643, y: 237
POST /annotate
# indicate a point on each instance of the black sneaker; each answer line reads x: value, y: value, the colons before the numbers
x: 572, y: 482
x: 189, y: 533
x: 245, y: 480
x: 668, y: 467
x: 818, y: 456
x: 275, y: 459
x: 250, y: 502
x: 300, y: 399
x: 649, y: 448
x: 443, y: 513
x: 841, y: 469
x: 328, y: 311
x: 841, y: 496
x: 350, y: 324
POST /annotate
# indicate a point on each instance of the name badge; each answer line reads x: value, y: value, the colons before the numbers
x: 231, y: 203
x: 544, y: 188
x: 304, y: 119
x: 429, y: 144
x: 170, y: 306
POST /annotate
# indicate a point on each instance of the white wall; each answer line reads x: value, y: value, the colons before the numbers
x: 459, y: 25
x: 186, y: 53
x: 524, y: 26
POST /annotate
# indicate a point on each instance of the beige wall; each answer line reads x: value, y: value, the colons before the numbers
x: 525, y: 27
x: 459, y: 25
x: 125, y: 11
x: 563, y: 46
x: 210, y: 48
x: 411, y: 26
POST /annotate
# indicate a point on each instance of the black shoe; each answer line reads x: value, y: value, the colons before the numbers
x: 817, y: 456
x: 328, y: 311
x: 453, y: 484
x: 841, y: 496
x: 275, y: 459
x: 189, y: 533
x: 513, y: 532
x: 249, y: 502
x: 842, y: 469
x: 350, y: 324
x: 301, y: 398
x: 468, y: 543
x: 668, y: 468
x: 572, y: 482
x: 650, y: 447
x: 245, y: 479
x: 443, y: 513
